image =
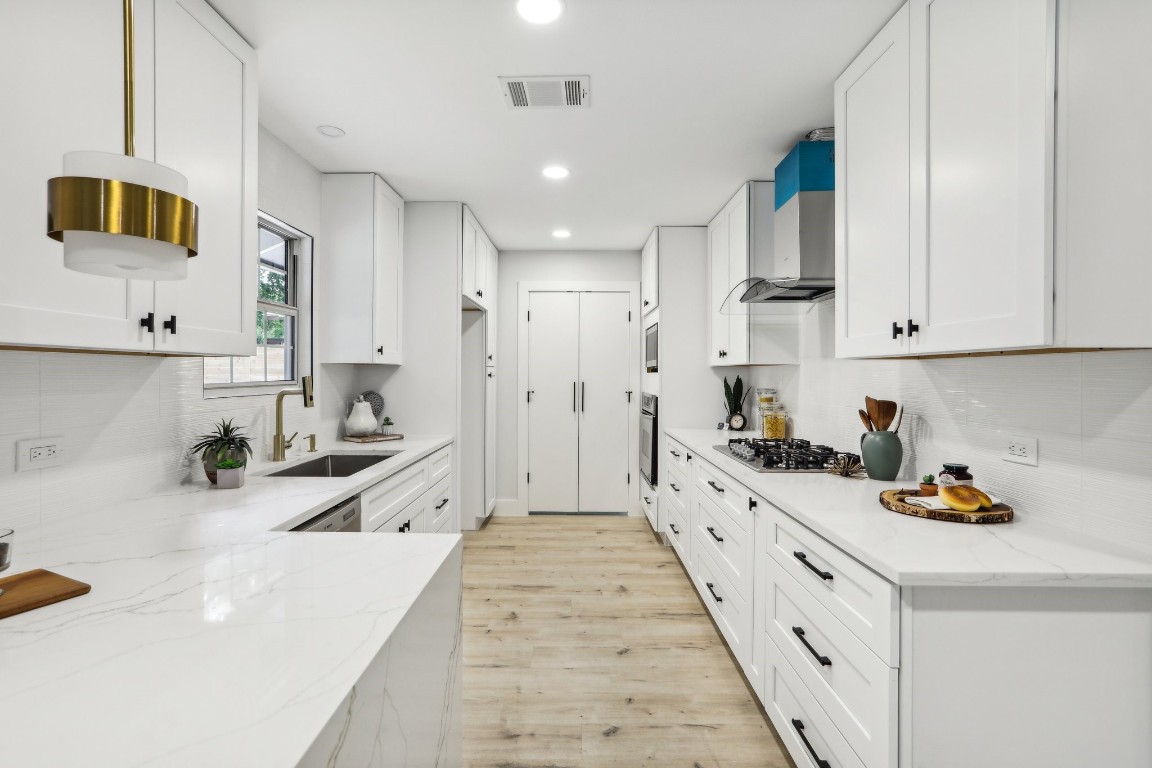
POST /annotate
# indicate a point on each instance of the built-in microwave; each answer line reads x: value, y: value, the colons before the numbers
x: 651, y: 349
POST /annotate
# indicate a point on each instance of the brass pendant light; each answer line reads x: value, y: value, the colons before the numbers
x: 118, y: 215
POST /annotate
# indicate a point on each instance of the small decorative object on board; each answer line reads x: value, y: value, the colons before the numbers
x: 880, y: 449
x: 361, y: 421
x: 734, y: 396
x: 228, y: 442
x: 928, y: 485
x: 229, y: 474
x: 387, y: 426
x: 847, y: 465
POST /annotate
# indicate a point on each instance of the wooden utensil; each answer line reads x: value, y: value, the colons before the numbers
x: 886, y: 413
x: 867, y: 421
x: 35, y: 589
x: 899, y: 420
x: 872, y: 405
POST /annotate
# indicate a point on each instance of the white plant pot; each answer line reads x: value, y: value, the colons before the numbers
x: 230, y: 478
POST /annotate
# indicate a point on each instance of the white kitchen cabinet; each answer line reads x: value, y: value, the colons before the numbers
x: 490, y: 382
x: 363, y: 245
x: 196, y: 96
x: 740, y: 246
x: 650, y: 274
x: 1022, y: 223
x: 477, y: 255
x: 872, y: 235
x: 409, y: 501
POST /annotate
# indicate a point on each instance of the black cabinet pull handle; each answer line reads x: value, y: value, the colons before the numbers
x: 491, y: 375
x: 673, y: 487
x: 480, y: 294
x: 912, y: 328
x: 824, y: 660
x: 896, y: 330
x: 689, y: 457
x: 803, y: 558
x: 149, y: 322
x: 715, y: 596
x: 715, y: 487
x: 573, y: 397
x: 581, y: 397
x: 712, y: 531
x: 529, y: 399
x: 799, y: 726
x: 751, y: 504
x: 673, y: 527
x: 441, y: 504
x: 647, y: 500
x: 379, y: 350
x: 170, y: 325
x: 404, y: 527
x: 675, y: 453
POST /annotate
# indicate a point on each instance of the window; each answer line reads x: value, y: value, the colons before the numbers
x: 278, y: 319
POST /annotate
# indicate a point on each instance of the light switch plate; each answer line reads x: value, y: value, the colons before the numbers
x: 39, y: 453
x: 1021, y: 450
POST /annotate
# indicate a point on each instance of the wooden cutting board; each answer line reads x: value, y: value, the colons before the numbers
x: 894, y: 500
x: 372, y: 438
x: 36, y: 589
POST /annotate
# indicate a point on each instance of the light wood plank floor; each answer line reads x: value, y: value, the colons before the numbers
x: 585, y: 645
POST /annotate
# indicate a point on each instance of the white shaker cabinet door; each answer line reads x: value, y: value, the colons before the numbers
x: 553, y: 381
x: 982, y: 89
x: 650, y: 274
x: 738, y: 265
x: 63, y: 92
x: 604, y: 402
x: 872, y: 235
x: 718, y: 289
x: 388, y: 274
x: 206, y: 128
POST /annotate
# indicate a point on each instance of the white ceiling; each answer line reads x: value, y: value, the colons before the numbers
x: 690, y: 98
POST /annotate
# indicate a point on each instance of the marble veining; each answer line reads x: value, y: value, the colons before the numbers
x: 916, y: 551
x: 211, y: 639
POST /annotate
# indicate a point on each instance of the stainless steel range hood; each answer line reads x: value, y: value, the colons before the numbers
x: 803, y: 264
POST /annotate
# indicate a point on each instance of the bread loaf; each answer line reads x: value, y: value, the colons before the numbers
x: 962, y: 498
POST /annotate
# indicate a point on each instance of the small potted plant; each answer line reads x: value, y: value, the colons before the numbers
x: 928, y: 486
x: 228, y: 442
x: 229, y: 473
x: 386, y: 426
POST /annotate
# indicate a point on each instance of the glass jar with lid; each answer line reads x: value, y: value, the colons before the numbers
x: 773, y: 421
x: 955, y: 474
x: 766, y: 396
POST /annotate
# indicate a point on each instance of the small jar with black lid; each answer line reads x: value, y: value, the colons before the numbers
x: 955, y: 474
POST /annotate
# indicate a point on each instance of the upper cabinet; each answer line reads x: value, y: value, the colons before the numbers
x: 650, y: 275
x: 478, y: 255
x: 740, y: 246
x: 195, y: 112
x: 1020, y: 221
x: 363, y: 237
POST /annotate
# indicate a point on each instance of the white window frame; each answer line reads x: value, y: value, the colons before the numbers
x: 301, y: 283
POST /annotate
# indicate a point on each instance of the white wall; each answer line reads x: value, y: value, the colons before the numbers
x: 129, y: 419
x: 1092, y: 413
x: 515, y: 267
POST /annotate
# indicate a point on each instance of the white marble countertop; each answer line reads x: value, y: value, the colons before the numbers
x: 914, y: 551
x: 208, y: 638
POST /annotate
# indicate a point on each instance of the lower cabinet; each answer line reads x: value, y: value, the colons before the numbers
x: 417, y: 499
x: 650, y: 501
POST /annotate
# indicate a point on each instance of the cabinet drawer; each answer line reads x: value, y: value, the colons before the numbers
x: 676, y: 456
x: 650, y: 501
x: 732, y: 497
x: 730, y: 547
x: 812, y: 739
x: 855, y: 688
x: 678, y: 487
x: 440, y: 506
x: 439, y: 464
x: 676, y: 529
x: 392, y: 494
x: 865, y: 602
x: 730, y: 611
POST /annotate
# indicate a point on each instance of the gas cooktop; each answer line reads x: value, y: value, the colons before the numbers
x: 791, y: 455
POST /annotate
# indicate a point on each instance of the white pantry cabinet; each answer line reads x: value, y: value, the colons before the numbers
x: 196, y: 111
x: 478, y: 258
x: 740, y: 246
x: 363, y: 250
x: 650, y: 274
x: 1023, y: 223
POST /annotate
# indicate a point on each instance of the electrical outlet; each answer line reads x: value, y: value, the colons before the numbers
x: 39, y: 453
x: 1021, y: 450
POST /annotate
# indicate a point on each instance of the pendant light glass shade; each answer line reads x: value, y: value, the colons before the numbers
x: 118, y: 215
x: 122, y: 217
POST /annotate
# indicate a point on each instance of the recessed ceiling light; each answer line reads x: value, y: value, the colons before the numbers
x: 331, y: 131
x: 561, y: 234
x: 540, y: 11
x: 556, y: 172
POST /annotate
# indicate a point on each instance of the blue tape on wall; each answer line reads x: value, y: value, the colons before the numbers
x: 809, y: 167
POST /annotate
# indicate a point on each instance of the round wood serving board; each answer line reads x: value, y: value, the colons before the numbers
x: 894, y: 500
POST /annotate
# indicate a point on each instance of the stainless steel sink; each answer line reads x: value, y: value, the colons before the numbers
x: 336, y: 465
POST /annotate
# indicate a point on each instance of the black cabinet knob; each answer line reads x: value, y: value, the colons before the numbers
x: 380, y: 350
x: 896, y: 330
x: 149, y: 323
x: 170, y: 325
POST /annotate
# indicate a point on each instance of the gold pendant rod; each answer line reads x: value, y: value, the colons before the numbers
x: 129, y: 83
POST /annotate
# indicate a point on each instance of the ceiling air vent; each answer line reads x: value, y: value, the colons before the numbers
x: 534, y: 92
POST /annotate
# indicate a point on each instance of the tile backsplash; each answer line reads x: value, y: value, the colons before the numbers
x: 1091, y: 412
x: 127, y: 421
